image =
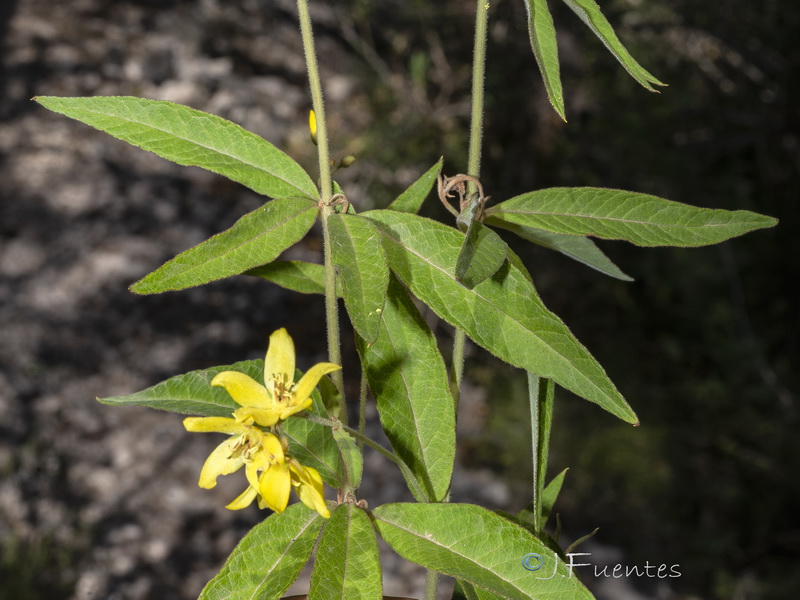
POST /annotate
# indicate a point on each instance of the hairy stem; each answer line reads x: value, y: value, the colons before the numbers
x: 431, y: 585
x: 474, y: 161
x: 540, y: 395
x: 326, y: 191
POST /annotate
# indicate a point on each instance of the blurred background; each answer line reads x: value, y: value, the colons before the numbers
x: 101, y: 502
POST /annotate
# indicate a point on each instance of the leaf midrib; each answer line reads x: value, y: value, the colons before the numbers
x: 231, y: 249
x: 441, y: 546
x: 295, y: 539
x: 617, y: 219
x: 437, y: 267
x: 207, y: 147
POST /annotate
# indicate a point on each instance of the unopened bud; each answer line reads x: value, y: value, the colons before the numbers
x: 347, y: 161
x: 312, y: 126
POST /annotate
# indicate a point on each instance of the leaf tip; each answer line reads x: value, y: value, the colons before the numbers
x: 140, y: 287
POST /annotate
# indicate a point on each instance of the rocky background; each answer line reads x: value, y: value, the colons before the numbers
x: 102, y: 503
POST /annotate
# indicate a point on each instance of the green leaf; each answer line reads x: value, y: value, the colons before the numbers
x: 359, y: 257
x: 482, y: 254
x: 576, y: 247
x: 550, y: 495
x: 549, y: 498
x: 408, y: 377
x: 641, y: 219
x: 352, y: 462
x: 191, y: 393
x: 257, y: 238
x: 347, y: 563
x: 503, y: 314
x: 589, y: 12
x: 467, y: 591
x: 191, y: 137
x: 295, y: 275
x: 542, y: 34
x: 269, y: 558
x: 313, y: 445
x: 410, y: 201
x: 474, y: 544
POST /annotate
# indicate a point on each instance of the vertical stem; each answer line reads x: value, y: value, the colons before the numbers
x: 362, y: 408
x: 431, y: 585
x: 473, y: 168
x: 474, y: 161
x: 540, y: 394
x: 478, y: 76
x: 326, y: 191
x: 316, y: 101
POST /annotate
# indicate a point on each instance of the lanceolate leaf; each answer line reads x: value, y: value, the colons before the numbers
x: 482, y: 254
x: 191, y: 137
x: 257, y: 238
x: 542, y: 33
x: 551, y: 492
x: 411, y: 200
x: 358, y: 255
x: 618, y: 215
x: 191, y: 393
x: 576, y: 247
x: 407, y: 375
x: 504, y: 314
x: 347, y: 563
x: 352, y: 462
x: 467, y: 591
x: 295, y: 275
x: 589, y: 12
x: 549, y: 498
x: 478, y: 546
x: 269, y: 558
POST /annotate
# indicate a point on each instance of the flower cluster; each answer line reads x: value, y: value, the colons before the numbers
x: 271, y: 473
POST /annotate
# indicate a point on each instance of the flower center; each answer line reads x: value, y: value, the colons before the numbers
x: 282, y: 388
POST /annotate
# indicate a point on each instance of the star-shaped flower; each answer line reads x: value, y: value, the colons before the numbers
x: 270, y: 473
x: 280, y: 397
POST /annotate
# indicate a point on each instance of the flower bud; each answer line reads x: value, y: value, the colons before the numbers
x: 312, y: 126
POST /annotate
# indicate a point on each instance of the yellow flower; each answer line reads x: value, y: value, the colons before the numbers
x: 308, y: 485
x: 248, y: 447
x: 257, y: 450
x: 280, y: 397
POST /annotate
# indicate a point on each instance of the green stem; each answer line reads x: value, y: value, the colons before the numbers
x: 478, y: 76
x: 540, y: 395
x: 418, y: 490
x: 326, y: 191
x: 457, y: 372
x: 474, y: 161
x: 431, y: 585
x: 362, y: 408
x: 326, y: 187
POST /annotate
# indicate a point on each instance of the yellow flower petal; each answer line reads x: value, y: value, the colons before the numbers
x: 279, y: 363
x: 292, y: 409
x: 308, y: 483
x: 244, y: 499
x: 219, y: 462
x: 275, y: 485
x: 311, y: 378
x: 243, y: 388
x: 215, y: 424
x: 272, y: 448
x: 266, y: 417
